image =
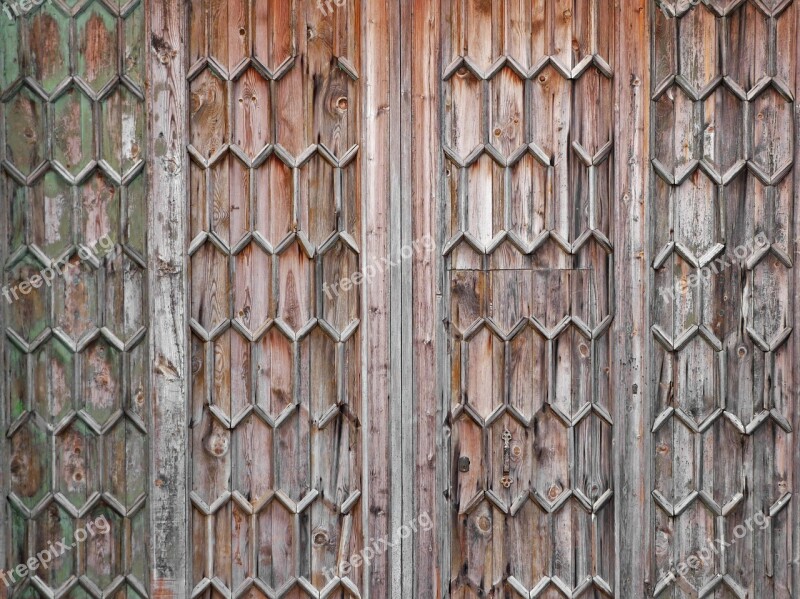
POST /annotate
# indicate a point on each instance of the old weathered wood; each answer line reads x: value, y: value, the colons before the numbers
x: 76, y: 408
x: 167, y: 226
x: 555, y: 385
x: 381, y: 104
x: 289, y: 196
x: 524, y: 229
x: 421, y: 309
x: 721, y: 386
x: 631, y: 212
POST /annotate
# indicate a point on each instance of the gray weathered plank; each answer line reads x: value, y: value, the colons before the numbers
x: 168, y: 171
x: 629, y: 365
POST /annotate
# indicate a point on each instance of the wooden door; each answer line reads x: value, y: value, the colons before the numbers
x: 277, y: 216
x: 465, y: 298
x: 528, y: 142
x: 603, y: 348
x: 523, y: 204
x: 76, y: 402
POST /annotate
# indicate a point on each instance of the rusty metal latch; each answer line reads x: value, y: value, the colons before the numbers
x: 506, y: 480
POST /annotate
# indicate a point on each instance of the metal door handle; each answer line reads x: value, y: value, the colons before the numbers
x: 506, y: 480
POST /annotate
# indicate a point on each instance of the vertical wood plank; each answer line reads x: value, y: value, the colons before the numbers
x: 402, y: 496
x: 398, y: 327
x: 168, y: 171
x: 381, y: 143
x: 793, y: 387
x: 629, y: 337
x: 424, y: 443
x: 9, y: 68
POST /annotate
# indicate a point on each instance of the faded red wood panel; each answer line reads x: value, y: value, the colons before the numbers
x: 527, y: 183
x: 75, y: 396
x: 587, y: 384
x: 276, y: 220
x: 723, y: 229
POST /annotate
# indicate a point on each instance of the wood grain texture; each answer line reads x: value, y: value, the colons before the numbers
x: 423, y: 439
x: 168, y: 363
x: 721, y: 313
x: 286, y: 380
x: 587, y: 381
x: 786, y: 68
x: 76, y: 406
x: 524, y: 230
x: 629, y: 365
x: 380, y: 171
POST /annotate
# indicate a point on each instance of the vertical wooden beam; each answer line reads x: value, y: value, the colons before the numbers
x: 404, y: 321
x: 631, y: 213
x: 631, y: 328
x: 421, y: 115
x: 5, y: 445
x: 793, y: 390
x: 167, y: 111
x: 399, y: 89
x: 10, y: 35
x: 380, y: 194
x: 402, y: 492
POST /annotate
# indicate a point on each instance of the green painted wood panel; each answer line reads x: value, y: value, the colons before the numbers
x: 76, y: 409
